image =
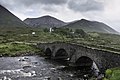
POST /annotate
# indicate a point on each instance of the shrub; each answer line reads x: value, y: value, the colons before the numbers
x: 108, y: 73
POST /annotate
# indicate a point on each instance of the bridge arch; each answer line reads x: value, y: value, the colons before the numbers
x: 61, y: 54
x: 48, y: 52
x: 84, y: 61
x: 87, y: 64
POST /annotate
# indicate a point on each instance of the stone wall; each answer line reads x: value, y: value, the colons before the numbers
x: 103, y: 59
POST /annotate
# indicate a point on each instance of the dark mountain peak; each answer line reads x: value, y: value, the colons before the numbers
x: 88, y: 21
x: 46, y: 16
x: 4, y: 10
x: 83, y: 20
x: 44, y: 21
x: 7, y: 19
x: 1, y: 6
x: 91, y: 26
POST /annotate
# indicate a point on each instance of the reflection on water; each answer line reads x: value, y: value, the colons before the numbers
x: 36, y: 68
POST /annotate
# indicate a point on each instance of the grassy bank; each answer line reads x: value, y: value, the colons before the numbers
x: 17, y: 49
x: 112, y: 74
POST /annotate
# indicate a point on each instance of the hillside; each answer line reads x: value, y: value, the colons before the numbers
x: 91, y: 26
x: 44, y: 21
x: 7, y: 19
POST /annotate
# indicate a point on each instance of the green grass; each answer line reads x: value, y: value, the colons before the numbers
x: 14, y: 49
x: 112, y: 74
x: 25, y: 35
x: 109, y: 42
x: 13, y: 41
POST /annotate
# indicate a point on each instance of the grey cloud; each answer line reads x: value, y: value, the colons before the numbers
x: 25, y: 4
x: 49, y: 5
x: 7, y: 4
x: 54, y: 1
x: 49, y: 8
x: 85, y: 5
x: 45, y: 2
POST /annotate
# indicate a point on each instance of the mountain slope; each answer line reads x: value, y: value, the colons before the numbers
x: 91, y: 26
x: 7, y: 19
x: 44, y: 21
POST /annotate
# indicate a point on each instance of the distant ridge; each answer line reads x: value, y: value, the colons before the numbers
x: 44, y: 21
x: 91, y: 26
x: 7, y: 19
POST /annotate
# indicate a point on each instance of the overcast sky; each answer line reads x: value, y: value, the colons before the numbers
x: 106, y: 11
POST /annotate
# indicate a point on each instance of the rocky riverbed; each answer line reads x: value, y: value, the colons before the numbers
x: 35, y: 68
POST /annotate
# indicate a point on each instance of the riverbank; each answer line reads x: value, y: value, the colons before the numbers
x: 18, y: 49
x: 112, y: 74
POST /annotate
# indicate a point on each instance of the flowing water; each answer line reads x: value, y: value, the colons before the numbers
x: 34, y: 68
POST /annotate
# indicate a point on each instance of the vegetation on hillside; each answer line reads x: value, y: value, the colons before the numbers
x: 110, y: 42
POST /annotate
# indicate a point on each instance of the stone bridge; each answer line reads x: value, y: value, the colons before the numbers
x: 78, y: 54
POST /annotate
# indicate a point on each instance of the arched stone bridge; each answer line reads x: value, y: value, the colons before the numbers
x: 80, y: 54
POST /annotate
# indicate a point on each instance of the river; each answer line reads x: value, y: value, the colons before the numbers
x: 34, y: 68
